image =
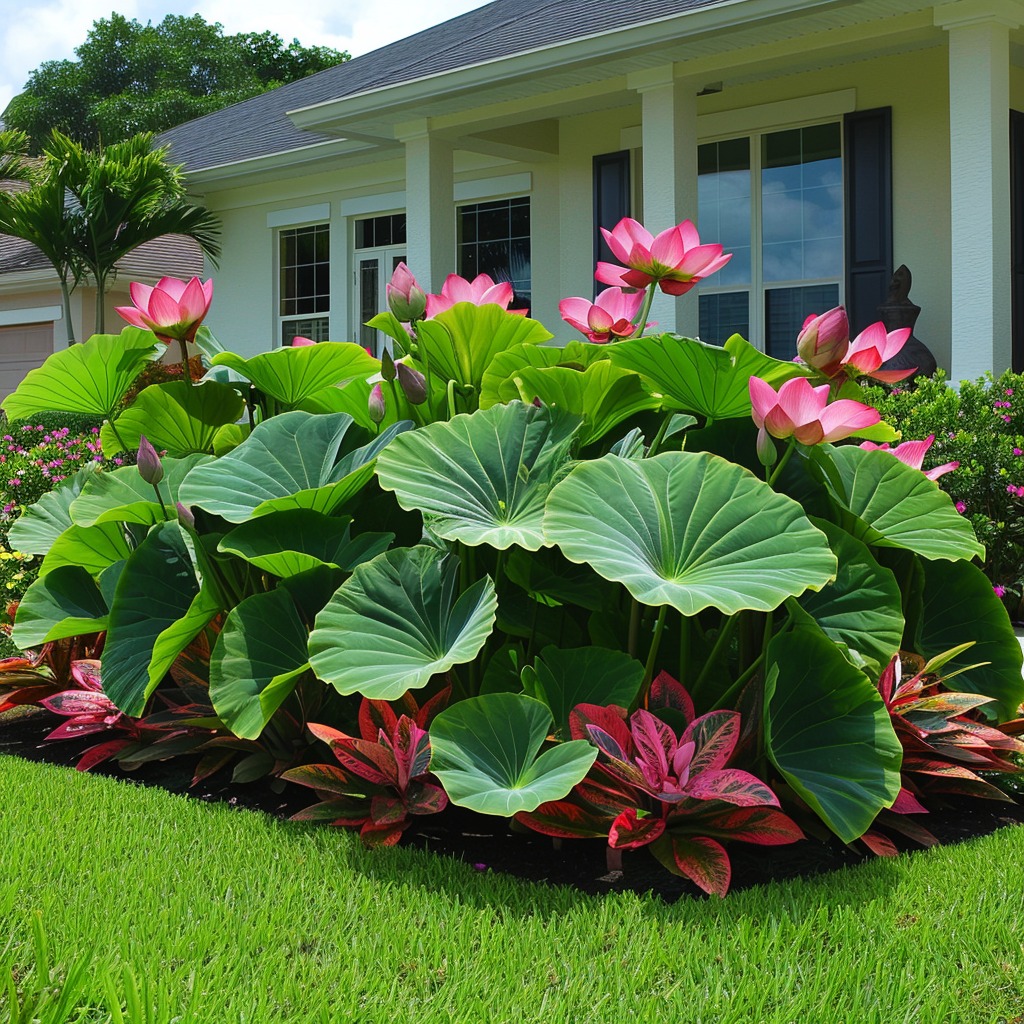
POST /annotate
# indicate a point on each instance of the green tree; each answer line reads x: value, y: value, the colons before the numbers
x: 86, y: 209
x: 130, y: 78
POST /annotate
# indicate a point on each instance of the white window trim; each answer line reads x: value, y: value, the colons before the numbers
x: 30, y: 315
x: 280, y: 318
x: 300, y: 216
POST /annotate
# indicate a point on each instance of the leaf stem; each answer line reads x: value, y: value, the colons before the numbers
x: 652, y: 654
x: 634, y: 626
x: 721, y: 642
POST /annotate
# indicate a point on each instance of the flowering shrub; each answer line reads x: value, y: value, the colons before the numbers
x: 980, y: 426
x: 553, y: 535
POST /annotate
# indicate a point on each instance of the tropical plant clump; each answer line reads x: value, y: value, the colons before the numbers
x: 980, y: 426
x: 636, y: 589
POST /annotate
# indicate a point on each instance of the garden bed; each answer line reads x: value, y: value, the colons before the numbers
x: 488, y: 844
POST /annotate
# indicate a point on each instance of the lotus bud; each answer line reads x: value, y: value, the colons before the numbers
x: 823, y: 341
x: 406, y: 299
x: 766, y: 451
x: 387, y: 366
x: 413, y: 383
x: 377, y: 405
x: 300, y: 342
x: 185, y: 516
x: 148, y: 462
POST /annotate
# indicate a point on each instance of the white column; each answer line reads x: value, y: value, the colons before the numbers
x: 979, y: 151
x: 669, y: 110
x: 429, y: 208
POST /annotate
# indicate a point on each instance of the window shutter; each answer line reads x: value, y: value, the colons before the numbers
x: 1017, y: 237
x: 868, y: 182
x: 611, y: 199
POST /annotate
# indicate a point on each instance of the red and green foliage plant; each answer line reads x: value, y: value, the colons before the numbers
x: 675, y: 794
x: 945, y: 744
x: 383, y: 780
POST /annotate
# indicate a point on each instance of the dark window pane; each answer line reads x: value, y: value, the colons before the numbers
x: 781, y: 149
x: 467, y: 224
x: 364, y: 234
x: 494, y: 239
x: 305, y: 270
x: 493, y: 224
x: 398, y: 229
x: 724, y: 314
x: 786, y: 309
x: 821, y: 142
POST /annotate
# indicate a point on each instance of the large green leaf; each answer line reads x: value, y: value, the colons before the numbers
x: 66, y: 602
x: 708, y: 380
x: 482, y: 478
x: 292, y: 374
x: 90, y: 378
x: 398, y: 621
x: 959, y: 606
x: 688, y: 530
x: 862, y: 608
x: 829, y: 733
x: 42, y: 523
x: 561, y: 679
x: 294, y: 541
x: 485, y: 752
x: 176, y: 417
x: 121, y: 495
x: 460, y: 343
x: 94, y: 548
x: 602, y: 395
x: 293, y: 460
x: 894, y: 505
x: 256, y: 662
x: 498, y: 384
x: 158, y: 609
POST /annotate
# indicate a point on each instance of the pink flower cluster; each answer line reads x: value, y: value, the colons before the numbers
x: 1017, y: 492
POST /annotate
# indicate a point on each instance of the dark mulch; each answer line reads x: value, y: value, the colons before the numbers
x: 489, y: 844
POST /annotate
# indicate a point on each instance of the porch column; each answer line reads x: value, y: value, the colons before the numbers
x: 979, y: 151
x: 669, y: 139
x: 429, y: 207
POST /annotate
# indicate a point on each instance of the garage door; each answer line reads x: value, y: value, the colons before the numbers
x: 22, y: 348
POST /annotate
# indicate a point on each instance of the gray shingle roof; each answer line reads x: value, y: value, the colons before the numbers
x: 170, y: 256
x: 260, y: 126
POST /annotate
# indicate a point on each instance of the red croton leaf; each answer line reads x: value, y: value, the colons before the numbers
x: 425, y: 798
x: 611, y: 719
x: 324, y: 778
x: 629, y: 831
x: 666, y: 692
x: 374, y: 834
x: 376, y: 716
x: 77, y: 728
x: 368, y: 759
x: 698, y: 858
x: 763, y: 826
x: 732, y: 786
x: 79, y: 702
x: 715, y: 736
x: 879, y: 845
x: 565, y: 819
x: 100, y: 753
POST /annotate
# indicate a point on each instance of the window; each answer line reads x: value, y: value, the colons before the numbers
x: 776, y: 202
x: 494, y: 239
x: 380, y: 247
x: 304, y: 287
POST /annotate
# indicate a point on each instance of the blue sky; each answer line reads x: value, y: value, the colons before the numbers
x: 51, y: 29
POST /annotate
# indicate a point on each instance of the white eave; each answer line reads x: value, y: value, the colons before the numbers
x: 582, y: 49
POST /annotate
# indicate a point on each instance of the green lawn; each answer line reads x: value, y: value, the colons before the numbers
x: 212, y: 915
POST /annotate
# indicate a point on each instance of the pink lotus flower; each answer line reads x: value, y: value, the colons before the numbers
x: 872, y: 347
x: 300, y: 342
x: 480, y: 291
x: 608, y: 317
x: 824, y: 340
x: 172, y: 310
x: 675, y: 258
x: 802, y: 411
x: 406, y: 299
x: 912, y: 453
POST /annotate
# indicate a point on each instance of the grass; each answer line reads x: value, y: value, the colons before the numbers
x: 174, y: 912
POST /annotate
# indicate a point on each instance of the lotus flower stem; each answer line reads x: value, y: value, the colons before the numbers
x: 721, y: 643
x: 118, y: 437
x: 163, y: 507
x: 186, y: 370
x: 645, y: 309
x: 773, y: 474
x: 652, y: 654
x: 659, y: 436
x: 634, y: 626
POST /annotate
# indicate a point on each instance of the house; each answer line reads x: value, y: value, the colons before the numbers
x: 823, y: 143
x: 32, y: 322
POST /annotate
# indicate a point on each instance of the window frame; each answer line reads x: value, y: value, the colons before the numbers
x: 758, y: 287
x: 279, y: 299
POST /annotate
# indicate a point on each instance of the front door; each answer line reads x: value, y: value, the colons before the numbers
x: 374, y: 268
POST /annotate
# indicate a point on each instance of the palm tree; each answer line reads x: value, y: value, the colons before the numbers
x: 86, y: 210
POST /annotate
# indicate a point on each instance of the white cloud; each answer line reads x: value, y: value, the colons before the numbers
x: 51, y: 29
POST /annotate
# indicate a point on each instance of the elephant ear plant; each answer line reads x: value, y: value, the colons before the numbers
x: 646, y: 587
